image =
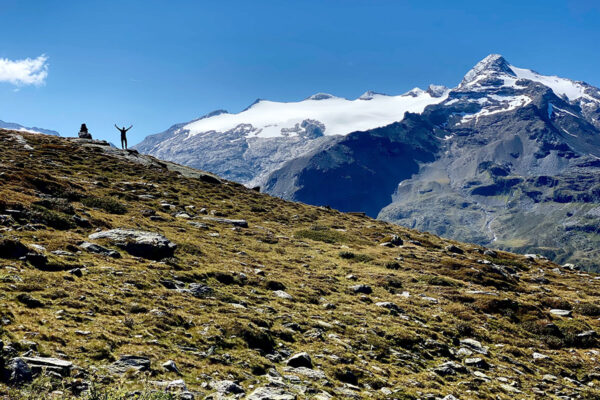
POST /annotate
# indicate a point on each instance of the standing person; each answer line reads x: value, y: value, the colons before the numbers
x: 123, y: 136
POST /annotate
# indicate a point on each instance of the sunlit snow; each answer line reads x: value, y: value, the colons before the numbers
x: 340, y: 116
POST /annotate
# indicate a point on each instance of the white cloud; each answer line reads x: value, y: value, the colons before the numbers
x: 24, y: 72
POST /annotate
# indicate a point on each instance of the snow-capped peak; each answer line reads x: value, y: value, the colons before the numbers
x: 321, y: 96
x: 492, y: 65
x: 494, y: 70
x: 369, y: 95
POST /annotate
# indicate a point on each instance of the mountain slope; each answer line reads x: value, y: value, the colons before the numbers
x: 233, y: 286
x: 508, y: 158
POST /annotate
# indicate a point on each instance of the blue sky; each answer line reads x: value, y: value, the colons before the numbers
x: 153, y: 63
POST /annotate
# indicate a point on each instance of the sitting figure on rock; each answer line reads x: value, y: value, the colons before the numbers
x: 83, y: 132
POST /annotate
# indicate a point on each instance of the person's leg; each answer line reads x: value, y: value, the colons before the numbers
x: 122, y: 144
x: 125, y: 143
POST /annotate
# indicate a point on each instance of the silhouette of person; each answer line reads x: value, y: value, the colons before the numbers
x: 123, y: 136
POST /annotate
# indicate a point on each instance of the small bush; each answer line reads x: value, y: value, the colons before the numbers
x: 107, y: 204
x: 53, y: 219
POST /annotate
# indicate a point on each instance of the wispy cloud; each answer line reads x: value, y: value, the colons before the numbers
x: 30, y: 71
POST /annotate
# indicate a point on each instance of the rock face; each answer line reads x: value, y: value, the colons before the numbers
x: 149, y: 245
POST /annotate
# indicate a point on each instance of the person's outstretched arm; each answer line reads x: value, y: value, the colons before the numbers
x: 117, y: 127
x: 129, y: 128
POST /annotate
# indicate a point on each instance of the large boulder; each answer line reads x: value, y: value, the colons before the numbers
x: 150, y: 245
x: 19, y: 372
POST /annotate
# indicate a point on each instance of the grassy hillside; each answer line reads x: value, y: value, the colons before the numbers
x: 232, y: 303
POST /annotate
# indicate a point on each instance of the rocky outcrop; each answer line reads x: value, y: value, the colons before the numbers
x: 143, y: 244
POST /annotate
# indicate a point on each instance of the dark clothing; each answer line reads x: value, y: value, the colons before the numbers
x: 123, y: 136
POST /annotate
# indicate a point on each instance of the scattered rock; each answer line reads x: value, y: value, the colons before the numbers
x: 390, y: 306
x: 300, y: 360
x: 561, y: 313
x: 283, y: 295
x: 474, y: 345
x: 143, y: 244
x: 454, y: 249
x: 171, y: 367
x: 364, y: 289
x: 242, y: 223
x: 539, y: 356
x: 476, y: 362
x: 30, y: 301
x: 128, y: 362
x: 97, y: 249
x: 12, y: 248
x: 62, y: 367
x: 227, y: 387
x: 271, y: 393
x: 19, y: 372
x: 449, y: 368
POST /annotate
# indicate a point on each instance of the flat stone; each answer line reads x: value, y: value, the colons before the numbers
x: 271, y: 393
x: 283, y: 295
x: 474, y: 345
x: 561, y: 313
x: 128, y: 362
x: 150, y: 245
x: 242, y: 223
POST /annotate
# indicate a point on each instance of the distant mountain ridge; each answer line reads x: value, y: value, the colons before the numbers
x: 18, y: 127
x: 509, y: 158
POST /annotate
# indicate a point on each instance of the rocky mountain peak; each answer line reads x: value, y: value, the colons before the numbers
x: 491, y: 66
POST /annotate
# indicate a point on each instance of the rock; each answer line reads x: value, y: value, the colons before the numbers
x: 271, y: 393
x: 476, y: 362
x: 12, y: 248
x: 549, y: 378
x: 76, y: 271
x: 143, y: 244
x: 30, y: 301
x: 539, y: 356
x: 227, y: 387
x: 364, y: 289
x: 128, y: 362
x: 171, y: 367
x: 300, y: 360
x: 19, y: 372
x: 62, y: 367
x: 474, y: 345
x: 242, y: 223
x: 390, y: 306
x: 464, y: 352
x: 561, y: 313
x: 454, y: 249
x: 97, y: 249
x: 490, y: 253
x: 274, y: 285
x: 449, y: 397
x: 396, y: 240
x: 283, y: 295
x: 199, y: 290
x: 182, y: 215
x: 449, y: 368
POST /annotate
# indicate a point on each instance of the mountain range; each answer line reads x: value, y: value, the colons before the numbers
x: 509, y: 158
x: 18, y: 127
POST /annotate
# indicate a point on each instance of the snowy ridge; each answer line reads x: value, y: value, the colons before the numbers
x: 334, y: 115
